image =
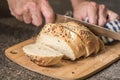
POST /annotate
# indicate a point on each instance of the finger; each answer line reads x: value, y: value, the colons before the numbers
x: 35, y: 14
x: 102, y: 15
x: 26, y: 16
x: 112, y: 15
x: 18, y: 14
x: 79, y: 15
x: 93, y: 13
x: 11, y: 8
x: 11, y: 11
x: 15, y: 10
x: 47, y: 11
x: 20, y: 18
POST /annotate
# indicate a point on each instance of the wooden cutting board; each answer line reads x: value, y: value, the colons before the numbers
x: 67, y: 70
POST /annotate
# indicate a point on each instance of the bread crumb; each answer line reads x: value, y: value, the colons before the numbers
x: 73, y: 72
x: 13, y: 52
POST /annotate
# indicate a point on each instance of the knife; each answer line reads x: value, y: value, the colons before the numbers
x: 98, y: 30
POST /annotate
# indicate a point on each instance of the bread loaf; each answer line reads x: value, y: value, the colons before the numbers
x: 71, y: 40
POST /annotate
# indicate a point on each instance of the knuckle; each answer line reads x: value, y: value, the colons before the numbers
x: 32, y: 4
x: 93, y: 22
x: 37, y: 23
x: 12, y: 13
x: 104, y: 21
x: 18, y: 12
x: 103, y: 6
x: 50, y: 15
x: 117, y: 16
x: 94, y: 3
x: 27, y: 22
x: 77, y: 17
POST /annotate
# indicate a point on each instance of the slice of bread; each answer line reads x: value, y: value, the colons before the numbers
x: 91, y: 42
x: 42, y: 54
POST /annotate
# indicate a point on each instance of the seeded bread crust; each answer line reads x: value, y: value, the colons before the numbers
x: 91, y: 42
x: 45, y: 61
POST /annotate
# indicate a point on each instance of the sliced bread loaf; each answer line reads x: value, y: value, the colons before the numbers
x: 42, y: 54
x: 71, y: 40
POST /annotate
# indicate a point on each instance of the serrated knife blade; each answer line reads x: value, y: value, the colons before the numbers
x: 100, y: 31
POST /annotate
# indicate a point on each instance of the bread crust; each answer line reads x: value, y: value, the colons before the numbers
x: 91, y: 42
x: 45, y: 61
x: 36, y: 54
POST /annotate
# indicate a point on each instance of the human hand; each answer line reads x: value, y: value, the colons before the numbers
x: 31, y: 11
x: 96, y: 13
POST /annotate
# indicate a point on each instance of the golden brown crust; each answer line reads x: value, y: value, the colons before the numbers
x: 90, y: 41
x: 45, y: 61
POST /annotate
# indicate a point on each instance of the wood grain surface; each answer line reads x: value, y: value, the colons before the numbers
x: 67, y: 70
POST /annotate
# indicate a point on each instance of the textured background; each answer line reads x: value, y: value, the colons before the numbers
x: 12, y: 31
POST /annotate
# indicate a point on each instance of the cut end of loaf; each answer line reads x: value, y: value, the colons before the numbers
x: 57, y: 44
x: 42, y: 54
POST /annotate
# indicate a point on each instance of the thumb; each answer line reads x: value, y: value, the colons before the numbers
x: 112, y: 15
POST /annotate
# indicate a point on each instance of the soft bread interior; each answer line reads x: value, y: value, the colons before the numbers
x: 42, y: 55
x: 41, y: 50
x: 57, y: 44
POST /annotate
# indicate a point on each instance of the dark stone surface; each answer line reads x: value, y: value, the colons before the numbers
x: 12, y: 32
x: 4, y: 10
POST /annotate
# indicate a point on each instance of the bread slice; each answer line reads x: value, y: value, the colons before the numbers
x: 91, y: 42
x: 42, y: 54
x: 62, y: 39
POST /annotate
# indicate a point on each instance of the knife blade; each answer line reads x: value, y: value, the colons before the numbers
x: 98, y: 30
